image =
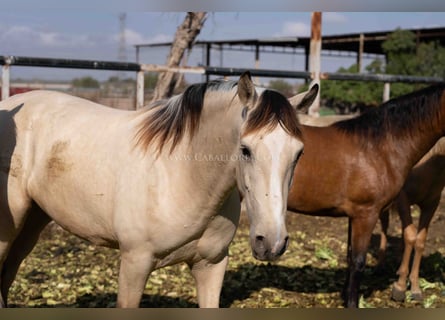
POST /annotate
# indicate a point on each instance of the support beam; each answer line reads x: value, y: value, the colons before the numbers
x: 315, y: 58
x: 361, y: 45
x: 257, y: 59
x: 5, y: 81
x: 140, y: 89
x: 207, y: 63
x: 386, y: 91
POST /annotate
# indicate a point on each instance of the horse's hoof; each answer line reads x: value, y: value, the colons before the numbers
x: 416, y: 296
x: 397, y: 294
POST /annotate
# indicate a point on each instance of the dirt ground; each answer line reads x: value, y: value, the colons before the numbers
x: 64, y: 271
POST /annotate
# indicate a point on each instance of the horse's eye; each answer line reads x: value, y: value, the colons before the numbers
x: 245, y: 151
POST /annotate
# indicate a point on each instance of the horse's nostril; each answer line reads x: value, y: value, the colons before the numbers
x: 284, y: 247
x: 259, y: 238
x: 260, y: 244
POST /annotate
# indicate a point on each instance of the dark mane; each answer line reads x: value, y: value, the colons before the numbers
x: 397, y: 116
x: 273, y: 109
x: 170, y: 120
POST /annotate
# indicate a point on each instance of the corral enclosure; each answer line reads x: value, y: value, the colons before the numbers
x: 311, y: 274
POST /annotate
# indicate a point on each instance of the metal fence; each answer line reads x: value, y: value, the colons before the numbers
x: 140, y: 69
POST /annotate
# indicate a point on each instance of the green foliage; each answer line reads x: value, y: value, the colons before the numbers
x: 85, y: 82
x: 150, y: 80
x: 352, y: 93
x: 404, y: 57
x: 119, y: 81
x: 282, y: 86
x: 431, y: 59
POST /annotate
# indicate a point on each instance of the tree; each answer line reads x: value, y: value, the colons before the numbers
x: 406, y: 57
x: 284, y: 87
x: 351, y: 96
x: 150, y: 80
x: 184, y: 38
x: 400, y: 48
x: 85, y: 82
x: 403, y: 57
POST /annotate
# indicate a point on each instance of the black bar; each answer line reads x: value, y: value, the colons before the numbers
x: 69, y: 63
x: 324, y: 75
x: 124, y: 66
x: 258, y: 72
x: 380, y: 78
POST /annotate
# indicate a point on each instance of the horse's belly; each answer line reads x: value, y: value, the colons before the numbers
x: 85, y: 216
x: 315, y: 205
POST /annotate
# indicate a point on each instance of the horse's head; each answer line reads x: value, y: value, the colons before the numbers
x: 270, y: 145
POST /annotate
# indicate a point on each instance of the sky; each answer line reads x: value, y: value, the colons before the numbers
x: 94, y: 34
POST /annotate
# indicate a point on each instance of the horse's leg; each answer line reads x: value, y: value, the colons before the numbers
x: 14, y: 205
x: 209, y: 279
x: 22, y: 246
x: 384, y: 222
x: 7, y: 236
x: 345, y: 293
x: 409, y: 237
x: 426, y: 215
x: 136, y: 264
x: 361, y: 229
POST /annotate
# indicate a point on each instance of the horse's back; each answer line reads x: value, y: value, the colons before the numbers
x: 63, y: 153
x: 323, y: 121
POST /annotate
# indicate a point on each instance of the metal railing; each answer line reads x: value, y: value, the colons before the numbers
x: 140, y: 69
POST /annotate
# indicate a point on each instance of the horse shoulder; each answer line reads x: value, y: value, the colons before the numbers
x: 219, y: 232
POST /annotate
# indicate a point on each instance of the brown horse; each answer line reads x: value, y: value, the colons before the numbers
x: 423, y: 187
x: 357, y: 167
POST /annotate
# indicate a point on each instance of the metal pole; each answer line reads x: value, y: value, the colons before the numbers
x: 137, y: 54
x: 360, y: 52
x: 208, y: 48
x: 140, y: 90
x: 315, y: 58
x: 5, y: 81
x: 257, y: 60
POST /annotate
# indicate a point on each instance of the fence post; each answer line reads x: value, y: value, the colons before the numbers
x: 386, y: 91
x: 140, y: 90
x: 315, y: 59
x: 5, y: 81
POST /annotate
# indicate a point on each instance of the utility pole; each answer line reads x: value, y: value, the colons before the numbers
x: 122, y: 55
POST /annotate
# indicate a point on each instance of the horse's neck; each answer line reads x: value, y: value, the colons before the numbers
x: 217, y: 139
x: 212, y: 150
x: 425, y: 138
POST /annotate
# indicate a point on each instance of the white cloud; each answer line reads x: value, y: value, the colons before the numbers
x: 132, y: 37
x: 334, y: 17
x: 295, y: 29
x: 161, y: 38
x: 23, y: 35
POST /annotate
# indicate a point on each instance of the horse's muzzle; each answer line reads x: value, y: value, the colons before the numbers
x: 264, y: 251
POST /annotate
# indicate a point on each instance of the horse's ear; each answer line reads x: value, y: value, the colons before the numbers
x: 246, y: 90
x: 304, y: 100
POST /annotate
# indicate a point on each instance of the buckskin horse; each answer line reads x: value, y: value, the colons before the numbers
x: 158, y: 183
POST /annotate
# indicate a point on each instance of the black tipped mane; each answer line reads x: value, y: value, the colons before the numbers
x: 397, y: 117
x: 273, y: 109
x: 169, y: 122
